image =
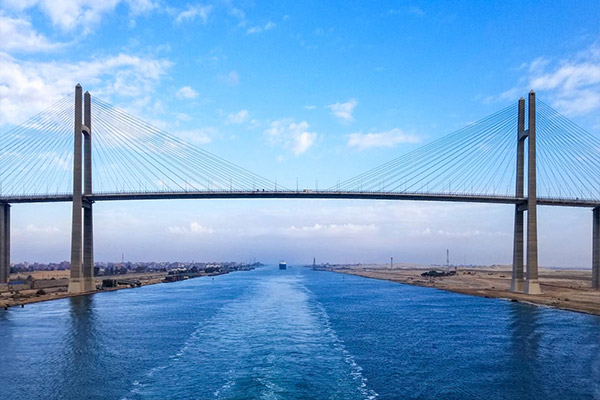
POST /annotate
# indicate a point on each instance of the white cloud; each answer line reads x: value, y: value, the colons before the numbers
x: 303, y: 142
x: 258, y: 28
x: 391, y: 138
x: 186, y: 92
x: 56, y: 161
x: 27, y: 87
x: 572, y: 84
x: 194, y: 228
x: 84, y: 15
x: 232, y: 78
x: 194, y: 12
x: 468, y: 233
x: 237, y: 118
x: 410, y: 10
x: 416, y: 11
x: 183, y: 117
x: 19, y: 36
x: 333, y: 230
x: 291, y: 135
x: 236, y: 12
x: 198, y: 136
x: 41, y: 229
x: 142, y: 6
x: 344, y: 111
x: 310, y: 107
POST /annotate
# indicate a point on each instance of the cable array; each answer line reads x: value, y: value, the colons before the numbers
x: 130, y: 155
x: 478, y: 159
x: 568, y: 157
x: 36, y: 157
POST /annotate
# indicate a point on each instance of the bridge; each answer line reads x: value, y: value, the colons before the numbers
x: 50, y: 158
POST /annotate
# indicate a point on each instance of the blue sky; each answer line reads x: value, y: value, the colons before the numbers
x: 308, y: 91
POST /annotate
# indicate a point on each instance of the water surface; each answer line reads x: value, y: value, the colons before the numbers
x: 295, y: 334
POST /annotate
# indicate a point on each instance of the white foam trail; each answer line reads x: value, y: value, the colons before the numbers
x: 246, y: 343
x: 356, y: 370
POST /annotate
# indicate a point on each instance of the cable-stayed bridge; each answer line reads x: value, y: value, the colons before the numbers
x: 526, y: 154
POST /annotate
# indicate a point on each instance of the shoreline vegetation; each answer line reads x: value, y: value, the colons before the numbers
x: 566, y: 289
x: 19, y: 298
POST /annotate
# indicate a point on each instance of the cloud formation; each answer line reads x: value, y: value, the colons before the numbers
x: 194, y: 12
x: 19, y: 36
x: 572, y: 83
x: 391, y: 138
x: 343, y: 111
x: 232, y: 78
x: 194, y: 228
x: 332, y: 230
x: 291, y: 135
x: 186, y: 92
x: 69, y: 15
x: 258, y: 28
x: 198, y: 136
x: 27, y: 87
x: 237, y: 118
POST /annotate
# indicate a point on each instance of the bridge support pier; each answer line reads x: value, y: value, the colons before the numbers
x: 596, y: 248
x: 518, y: 283
x: 82, y: 243
x: 88, y: 216
x: 532, y: 285
x: 88, y: 249
x: 4, y: 242
x: 76, y: 281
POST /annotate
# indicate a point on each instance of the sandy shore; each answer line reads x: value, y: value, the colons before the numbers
x: 29, y: 296
x: 562, y: 288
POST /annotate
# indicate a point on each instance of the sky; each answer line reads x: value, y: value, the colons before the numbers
x: 310, y: 92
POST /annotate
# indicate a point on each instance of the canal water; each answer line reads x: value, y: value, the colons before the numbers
x: 295, y: 334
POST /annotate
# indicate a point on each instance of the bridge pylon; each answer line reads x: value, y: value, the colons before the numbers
x: 518, y: 281
x: 4, y: 242
x: 532, y: 285
x: 82, y: 242
x: 529, y: 285
x: 596, y: 248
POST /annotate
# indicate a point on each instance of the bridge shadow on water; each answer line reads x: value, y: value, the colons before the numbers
x: 78, y: 365
x: 524, y: 347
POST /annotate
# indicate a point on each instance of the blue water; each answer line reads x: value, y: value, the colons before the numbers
x: 295, y: 334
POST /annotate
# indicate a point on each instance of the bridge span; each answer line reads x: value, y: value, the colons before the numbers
x: 491, y: 161
x: 304, y: 194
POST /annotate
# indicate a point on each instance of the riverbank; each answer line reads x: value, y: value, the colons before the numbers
x: 567, y: 289
x: 22, y: 297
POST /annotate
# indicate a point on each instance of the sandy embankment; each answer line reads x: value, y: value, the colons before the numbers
x: 22, y: 297
x: 562, y: 288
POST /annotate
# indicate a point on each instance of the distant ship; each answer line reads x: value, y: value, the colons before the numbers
x: 282, y: 265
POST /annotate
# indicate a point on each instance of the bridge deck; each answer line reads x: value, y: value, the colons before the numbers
x: 279, y: 194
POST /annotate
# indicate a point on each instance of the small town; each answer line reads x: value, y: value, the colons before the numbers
x: 34, y: 282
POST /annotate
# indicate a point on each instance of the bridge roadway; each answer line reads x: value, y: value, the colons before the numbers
x: 289, y: 194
